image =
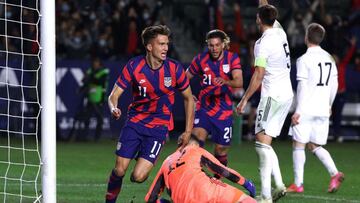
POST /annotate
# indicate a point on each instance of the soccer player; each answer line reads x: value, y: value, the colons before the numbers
x: 183, y: 176
x: 154, y: 79
x: 317, y: 86
x: 272, y: 71
x: 220, y: 71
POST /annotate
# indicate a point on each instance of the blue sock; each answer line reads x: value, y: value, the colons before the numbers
x: 114, y: 187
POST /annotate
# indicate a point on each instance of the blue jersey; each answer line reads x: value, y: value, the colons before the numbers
x: 153, y: 90
x: 215, y: 100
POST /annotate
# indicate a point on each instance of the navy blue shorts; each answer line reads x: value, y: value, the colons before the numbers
x: 139, y: 141
x: 220, y: 130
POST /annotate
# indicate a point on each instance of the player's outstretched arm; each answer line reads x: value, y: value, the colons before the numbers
x: 189, y: 114
x: 209, y: 161
x: 156, y: 188
x: 255, y: 83
x: 113, y: 101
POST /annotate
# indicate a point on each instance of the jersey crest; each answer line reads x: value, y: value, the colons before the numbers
x: 226, y: 68
x: 167, y: 81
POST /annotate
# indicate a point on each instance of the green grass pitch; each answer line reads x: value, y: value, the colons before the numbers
x: 83, y: 169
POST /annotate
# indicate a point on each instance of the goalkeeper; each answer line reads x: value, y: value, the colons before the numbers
x: 183, y: 176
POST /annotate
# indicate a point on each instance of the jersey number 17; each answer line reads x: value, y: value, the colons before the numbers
x: 327, y: 64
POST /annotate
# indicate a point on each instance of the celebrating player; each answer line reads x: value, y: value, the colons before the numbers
x: 153, y: 78
x: 317, y: 86
x: 272, y: 71
x: 220, y: 71
x: 182, y: 175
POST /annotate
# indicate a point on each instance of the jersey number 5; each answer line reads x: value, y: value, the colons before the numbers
x: 321, y: 74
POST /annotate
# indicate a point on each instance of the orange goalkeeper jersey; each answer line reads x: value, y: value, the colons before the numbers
x: 182, y: 175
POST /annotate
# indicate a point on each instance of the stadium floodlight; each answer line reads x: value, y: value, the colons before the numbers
x: 20, y: 108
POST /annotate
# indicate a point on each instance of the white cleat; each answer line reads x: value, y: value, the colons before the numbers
x: 278, y: 193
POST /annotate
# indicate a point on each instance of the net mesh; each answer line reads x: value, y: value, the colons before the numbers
x: 20, y: 161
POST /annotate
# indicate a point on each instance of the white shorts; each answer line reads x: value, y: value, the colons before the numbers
x: 271, y: 115
x: 311, y: 129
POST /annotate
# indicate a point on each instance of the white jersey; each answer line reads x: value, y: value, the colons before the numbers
x: 272, y: 53
x: 317, y: 70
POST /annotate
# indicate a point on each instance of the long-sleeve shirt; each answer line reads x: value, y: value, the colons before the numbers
x: 183, y: 176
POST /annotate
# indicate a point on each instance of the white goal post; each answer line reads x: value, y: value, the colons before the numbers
x: 27, y: 57
x: 48, y: 100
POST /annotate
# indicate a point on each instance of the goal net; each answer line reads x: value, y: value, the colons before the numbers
x: 20, y: 161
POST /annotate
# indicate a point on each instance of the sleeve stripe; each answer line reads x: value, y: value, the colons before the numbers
x: 120, y: 84
x: 261, y: 62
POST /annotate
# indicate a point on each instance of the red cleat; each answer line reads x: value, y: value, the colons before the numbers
x: 295, y: 189
x: 335, y: 182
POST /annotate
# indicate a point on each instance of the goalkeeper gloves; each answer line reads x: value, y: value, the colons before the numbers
x: 249, y: 186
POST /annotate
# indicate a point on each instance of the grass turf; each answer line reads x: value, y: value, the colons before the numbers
x: 83, y: 169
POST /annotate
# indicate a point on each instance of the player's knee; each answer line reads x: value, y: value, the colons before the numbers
x: 221, y: 149
x: 119, y: 171
x: 312, y: 146
x: 200, y: 133
x: 138, y: 177
x: 298, y: 145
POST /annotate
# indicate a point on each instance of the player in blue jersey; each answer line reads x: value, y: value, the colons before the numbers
x: 220, y: 71
x: 154, y: 79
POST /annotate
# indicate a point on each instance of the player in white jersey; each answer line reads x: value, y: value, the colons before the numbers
x: 317, y: 86
x: 272, y: 71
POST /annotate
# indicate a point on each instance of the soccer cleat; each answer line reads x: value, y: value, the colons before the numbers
x: 260, y: 199
x: 278, y: 193
x: 335, y: 182
x: 295, y: 189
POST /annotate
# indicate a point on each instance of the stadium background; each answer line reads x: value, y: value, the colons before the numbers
x: 107, y: 28
x: 110, y: 29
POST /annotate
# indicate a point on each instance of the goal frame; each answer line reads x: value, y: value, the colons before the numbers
x: 48, y: 100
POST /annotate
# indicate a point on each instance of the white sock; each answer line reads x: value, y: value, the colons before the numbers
x: 326, y: 160
x: 264, y: 154
x: 299, y: 159
x: 276, y: 170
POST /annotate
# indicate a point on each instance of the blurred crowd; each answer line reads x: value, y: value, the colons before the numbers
x: 15, y: 32
x: 111, y: 29
x: 107, y: 29
x: 343, y: 30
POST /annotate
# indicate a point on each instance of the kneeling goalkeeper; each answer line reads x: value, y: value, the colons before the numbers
x: 183, y: 176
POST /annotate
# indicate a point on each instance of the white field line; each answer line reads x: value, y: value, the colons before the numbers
x: 314, y: 197
x: 324, y: 198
